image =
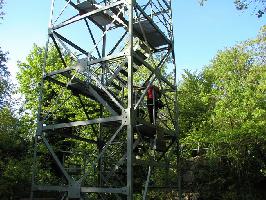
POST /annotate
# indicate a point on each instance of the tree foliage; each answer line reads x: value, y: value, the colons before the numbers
x: 1, y: 7
x: 223, y: 109
x: 257, y: 6
x: 5, y: 85
x: 14, y: 141
x: 15, y: 157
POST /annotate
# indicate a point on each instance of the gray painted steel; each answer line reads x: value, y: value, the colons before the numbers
x: 104, y: 81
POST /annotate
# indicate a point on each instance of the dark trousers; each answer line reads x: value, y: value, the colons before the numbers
x: 152, y: 107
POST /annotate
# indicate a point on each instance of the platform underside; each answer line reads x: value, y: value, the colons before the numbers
x: 145, y: 29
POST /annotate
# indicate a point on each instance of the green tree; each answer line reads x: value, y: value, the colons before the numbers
x: 15, y: 156
x: 223, y: 108
x: 15, y: 159
x: 14, y: 143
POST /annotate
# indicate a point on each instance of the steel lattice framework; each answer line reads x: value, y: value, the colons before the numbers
x: 94, y: 138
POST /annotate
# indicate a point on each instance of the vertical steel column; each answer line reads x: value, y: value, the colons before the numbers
x: 130, y: 104
x: 34, y: 167
x: 103, y: 81
x: 176, y: 109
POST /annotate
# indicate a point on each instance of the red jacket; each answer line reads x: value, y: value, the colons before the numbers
x: 152, y: 90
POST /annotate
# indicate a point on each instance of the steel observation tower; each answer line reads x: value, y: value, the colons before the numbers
x: 94, y: 138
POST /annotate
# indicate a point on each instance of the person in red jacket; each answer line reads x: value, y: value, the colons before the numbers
x: 153, y: 101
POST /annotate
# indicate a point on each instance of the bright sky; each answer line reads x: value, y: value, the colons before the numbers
x: 199, y: 31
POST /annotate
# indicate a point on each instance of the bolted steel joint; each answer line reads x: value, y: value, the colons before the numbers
x: 74, y: 190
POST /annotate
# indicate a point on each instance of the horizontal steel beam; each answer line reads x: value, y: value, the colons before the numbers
x: 82, y: 123
x: 104, y: 59
x: 122, y: 190
x: 49, y: 188
x: 151, y: 162
x: 60, y: 71
x: 163, y: 188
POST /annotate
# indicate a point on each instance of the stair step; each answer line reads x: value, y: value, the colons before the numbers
x: 124, y: 71
x: 100, y: 18
x: 154, y: 36
x: 80, y: 87
x: 137, y: 62
x: 140, y: 54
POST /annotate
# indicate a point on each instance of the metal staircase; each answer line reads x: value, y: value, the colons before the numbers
x: 108, y: 50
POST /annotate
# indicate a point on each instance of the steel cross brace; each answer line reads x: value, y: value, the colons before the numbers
x: 80, y: 17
